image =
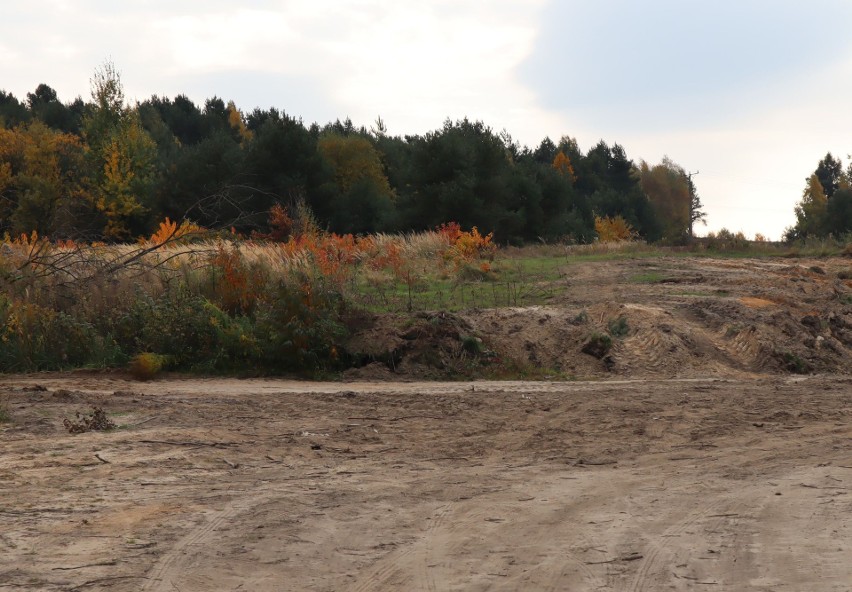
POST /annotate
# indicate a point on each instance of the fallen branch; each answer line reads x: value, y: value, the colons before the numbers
x: 631, y: 557
x: 198, y: 444
x: 108, y: 579
x: 36, y: 511
x: 103, y: 460
x: 400, y: 418
x: 143, y: 421
x: 85, y: 566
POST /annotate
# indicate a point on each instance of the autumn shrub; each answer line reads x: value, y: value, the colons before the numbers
x: 725, y: 240
x: 299, y: 325
x: 34, y: 337
x: 613, y: 230
x: 189, y: 329
x: 171, y: 233
x: 467, y: 247
x: 235, y: 284
x: 147, y: 365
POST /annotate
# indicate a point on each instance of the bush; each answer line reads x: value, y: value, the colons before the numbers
x: 793, y: 363
x: 725, y: 240
x: 190, y: 331
x: 618, y: 327
x: 472, y: 344
x: 598, y: 345
x: 34, y: 338
x: 146, y: 366
x: 299, y: 325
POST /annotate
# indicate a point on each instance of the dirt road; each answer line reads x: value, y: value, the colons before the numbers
x: 703, y: 484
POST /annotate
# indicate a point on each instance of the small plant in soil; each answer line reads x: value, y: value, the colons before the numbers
x: 5, y: 417
x: 734, y: 329
x: 794, y: 363
x: 95, y: 421
x: 598, y: 345
x: 618, y: 327
x: 472, y: 345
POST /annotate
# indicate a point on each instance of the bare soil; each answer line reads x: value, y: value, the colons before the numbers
x: 695, y: 459
x: 681, y: 317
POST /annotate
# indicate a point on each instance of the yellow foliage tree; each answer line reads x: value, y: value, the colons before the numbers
x: 353, y: 159
x: 122, y: 156
x: 612, y: 230
x: 128, y: 173
x: 42, y: 179
x: 811, y: 212
x: 237, y: 122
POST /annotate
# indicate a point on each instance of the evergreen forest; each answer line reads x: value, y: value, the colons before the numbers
x: 105, y: 170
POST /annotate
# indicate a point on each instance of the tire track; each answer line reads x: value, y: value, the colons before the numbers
x: 390, y: 567
x: 724, y: 504
x: 161, y: 576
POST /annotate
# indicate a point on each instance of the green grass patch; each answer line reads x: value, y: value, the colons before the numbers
x: 513, y: 281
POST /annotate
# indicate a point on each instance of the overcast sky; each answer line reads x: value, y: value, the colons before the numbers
x: 749, y: 93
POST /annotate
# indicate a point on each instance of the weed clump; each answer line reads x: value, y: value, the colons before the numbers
x: 598, y: 345
x: 618, y: 327
x: 97, y: 420
x: 472, y: 345
x: 793, y: 363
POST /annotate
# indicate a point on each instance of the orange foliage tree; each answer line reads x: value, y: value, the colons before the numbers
x: 169, y: 232
x: 562, y: 165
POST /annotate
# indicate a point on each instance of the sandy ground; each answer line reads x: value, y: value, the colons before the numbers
x: 624, y: 485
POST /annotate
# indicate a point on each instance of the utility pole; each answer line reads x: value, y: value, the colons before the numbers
x: 692, y: 202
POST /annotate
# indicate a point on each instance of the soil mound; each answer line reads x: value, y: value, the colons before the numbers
x: 693, y: 317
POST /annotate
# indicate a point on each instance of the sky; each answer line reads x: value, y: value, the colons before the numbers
x: 749, y: 94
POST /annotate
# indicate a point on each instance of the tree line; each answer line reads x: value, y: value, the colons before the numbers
x: 826, y: 205
x: 106, y: 170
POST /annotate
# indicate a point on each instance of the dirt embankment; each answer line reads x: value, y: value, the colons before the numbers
x: 661, y: 317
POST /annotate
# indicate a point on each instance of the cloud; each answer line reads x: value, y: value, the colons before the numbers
x: 415, y: 64
x: 640, y: 64
x: 295, y: 95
